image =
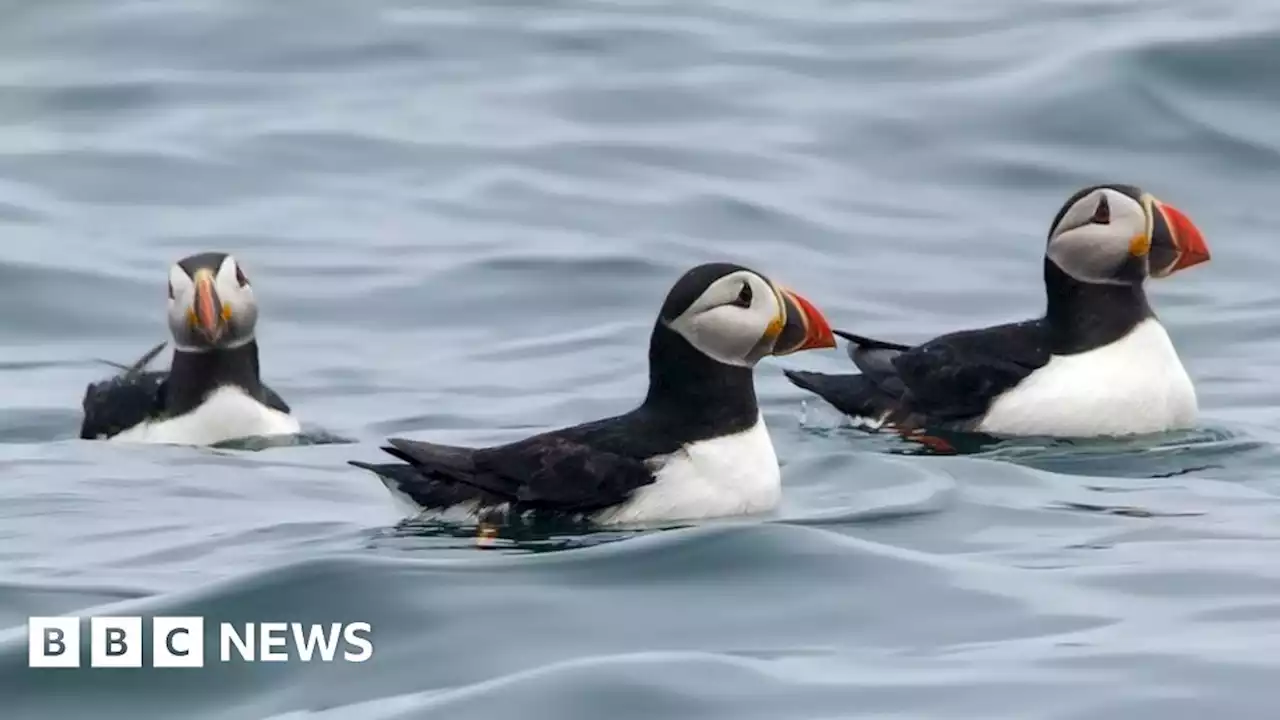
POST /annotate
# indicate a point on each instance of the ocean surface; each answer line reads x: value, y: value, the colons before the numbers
x: 460, y: 219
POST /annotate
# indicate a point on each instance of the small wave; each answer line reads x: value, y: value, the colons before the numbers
x: 1154, y: 455
x: 314, y: 436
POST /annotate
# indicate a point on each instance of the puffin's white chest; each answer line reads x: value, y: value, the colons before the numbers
x: 227, y: 414
x: 731, y: 475
x: 1134, y: 385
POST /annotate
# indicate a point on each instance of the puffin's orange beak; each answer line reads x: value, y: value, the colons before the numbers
x: 803, y: 328
x: 206, y: 314
x: 1176, y: 242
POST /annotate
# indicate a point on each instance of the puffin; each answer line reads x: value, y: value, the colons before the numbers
x: 696, y: 447
x: 213, y: 391
x: 1096, y: 363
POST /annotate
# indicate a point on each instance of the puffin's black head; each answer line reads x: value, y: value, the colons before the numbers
x: 737, y: 316
x: 1120, y: 235
x: 211, y: 304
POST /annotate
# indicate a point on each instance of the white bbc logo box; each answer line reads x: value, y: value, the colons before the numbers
x: 115, y: 642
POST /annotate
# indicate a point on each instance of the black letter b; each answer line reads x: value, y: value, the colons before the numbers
x: 53, y: 638
x: 115, y: 642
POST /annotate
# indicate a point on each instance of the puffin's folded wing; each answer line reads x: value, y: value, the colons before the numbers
x: 960, y: 374
x: 274, y: 401
x: 545, y: 472
x: 115, y: 405
x: 134, y: 395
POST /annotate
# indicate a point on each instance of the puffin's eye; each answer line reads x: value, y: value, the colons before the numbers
x: 744, y: 296
x: 240, y: 278
x: 1102, y: 215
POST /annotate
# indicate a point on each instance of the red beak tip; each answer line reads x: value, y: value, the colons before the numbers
x: 820, y: 335
x: 1191, y: 242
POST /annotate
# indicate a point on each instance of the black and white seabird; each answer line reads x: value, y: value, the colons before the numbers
x: 1097, y: 363
x: 697, y: 447
x: 212, y: 391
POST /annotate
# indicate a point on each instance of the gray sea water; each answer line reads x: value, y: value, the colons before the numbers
x: 460, y: 219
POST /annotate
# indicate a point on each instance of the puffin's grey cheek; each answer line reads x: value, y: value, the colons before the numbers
x: 241, y: 318
x: 179, y: 326
x: 1085, y: 258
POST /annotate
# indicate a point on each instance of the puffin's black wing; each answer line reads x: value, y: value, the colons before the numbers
x: 959, y: 375
x: 118, y: 403
x: 544, y: 472
x: 952, y: 378
x: 115, y: 405
x: 274, y: 401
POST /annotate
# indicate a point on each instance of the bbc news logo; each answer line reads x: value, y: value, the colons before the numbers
x: 178, y: 642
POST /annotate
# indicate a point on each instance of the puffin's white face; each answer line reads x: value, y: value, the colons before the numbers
x: 740, y: 317
x: 211, y: 303
x: 1100, y: 234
